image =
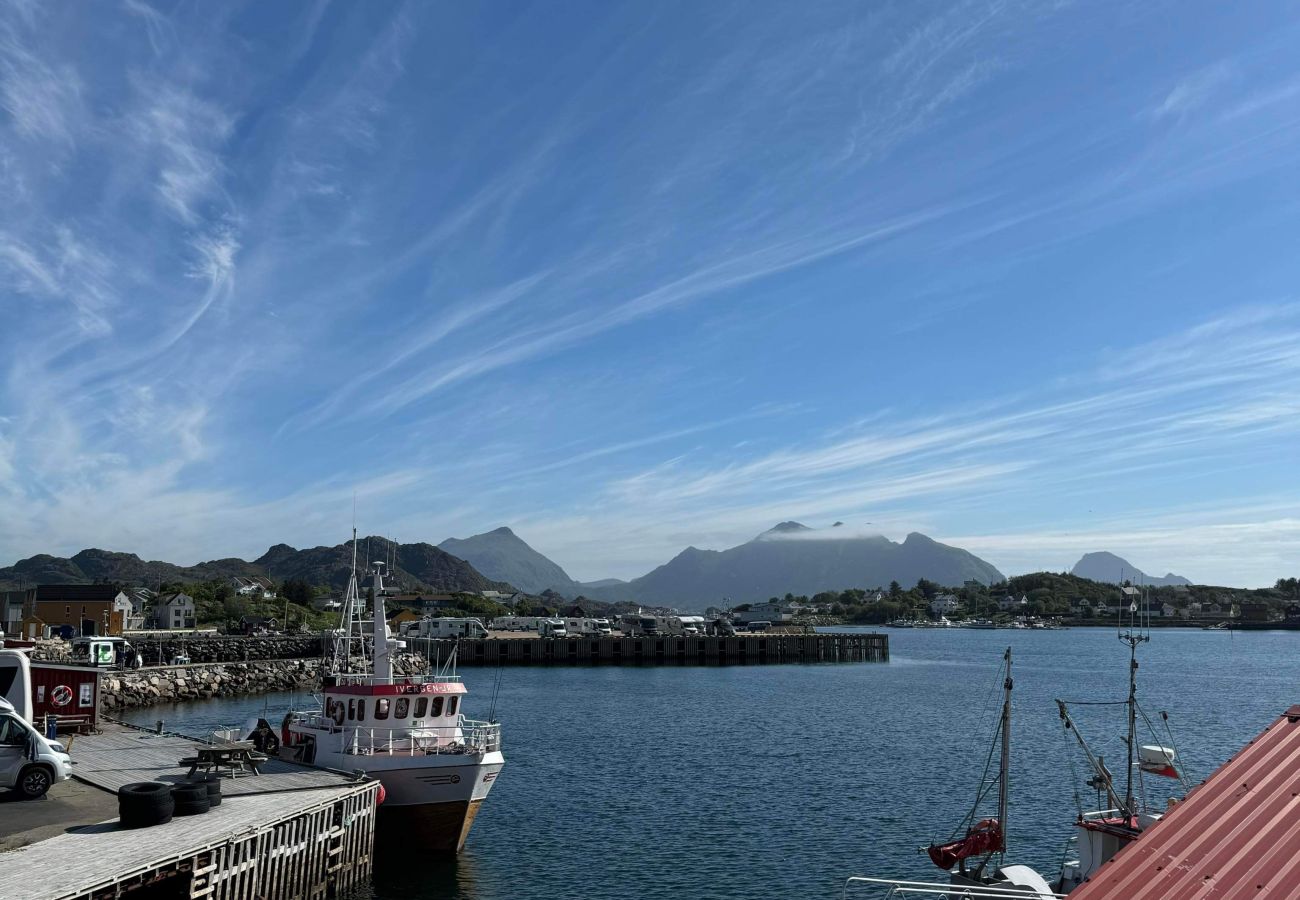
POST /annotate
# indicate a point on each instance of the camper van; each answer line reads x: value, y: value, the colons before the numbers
x: 444, y: 628
x: 636, y: 624
x: 29, y: 762
x: 685, y: 625
x: 514, y: 623
x: 588, y: 627
x: 552, y: 628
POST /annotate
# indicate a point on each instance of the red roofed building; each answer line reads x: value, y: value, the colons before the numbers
x: 1235, y: 836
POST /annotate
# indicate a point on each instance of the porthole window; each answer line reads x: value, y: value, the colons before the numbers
x: 352, y: 708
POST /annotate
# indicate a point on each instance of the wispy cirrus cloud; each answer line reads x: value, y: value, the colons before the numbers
x: 548, y: 266
x: 1192, y: 92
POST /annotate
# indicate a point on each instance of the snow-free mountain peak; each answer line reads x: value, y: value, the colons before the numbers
x: 784, y: 529
x: 503, y: 555
x: 1109, y: 568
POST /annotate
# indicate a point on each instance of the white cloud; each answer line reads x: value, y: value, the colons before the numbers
x: 1192, y: 92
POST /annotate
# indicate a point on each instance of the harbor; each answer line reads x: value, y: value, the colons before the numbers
x: 770, y: 648
x: 290, y: 831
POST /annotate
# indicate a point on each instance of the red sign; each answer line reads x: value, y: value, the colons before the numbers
x: 61, y: 695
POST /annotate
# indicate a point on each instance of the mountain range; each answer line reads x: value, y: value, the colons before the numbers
x: 413, y: 565
x: 789, y: 558
x: 793, y: 558
x: 1112, y: 569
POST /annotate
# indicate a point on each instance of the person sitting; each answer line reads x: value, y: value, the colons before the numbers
x: 264, y: 739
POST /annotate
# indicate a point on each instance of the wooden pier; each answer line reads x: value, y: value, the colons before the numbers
x: 288, y: 833
x: 687, y: 650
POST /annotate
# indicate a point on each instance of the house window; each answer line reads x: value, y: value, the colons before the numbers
x: 421, y: 707
x: 451, y: 705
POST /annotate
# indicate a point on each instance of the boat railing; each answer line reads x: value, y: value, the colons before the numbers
x: 889, y: 888
x: 368, y: 678
x: 467, y: 737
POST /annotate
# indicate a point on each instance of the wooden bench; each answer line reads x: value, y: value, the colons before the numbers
x: 239, y: 757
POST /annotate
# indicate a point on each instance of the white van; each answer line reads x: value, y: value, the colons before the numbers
x: 29, y: 763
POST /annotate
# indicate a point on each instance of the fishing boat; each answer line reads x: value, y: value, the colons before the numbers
x: 1102, y: 833
x: 969, y: 858
x: 410, y: 733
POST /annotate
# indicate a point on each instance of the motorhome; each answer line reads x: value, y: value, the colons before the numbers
x: 588, y: 627
x: 635, y: 624
x: 685, y: 624
x: 514, y: 623
x: 29, y: 762
x: 552, y: 628
x: 444, y: 627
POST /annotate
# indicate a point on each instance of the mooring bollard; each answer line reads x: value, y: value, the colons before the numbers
x: 158, y: 725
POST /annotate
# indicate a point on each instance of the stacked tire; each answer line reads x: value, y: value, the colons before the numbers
x: 142, y: 804
x: 213, y: 784
x: 191, y: 799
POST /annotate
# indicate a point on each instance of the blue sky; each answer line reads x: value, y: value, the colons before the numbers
x: 628, y: 277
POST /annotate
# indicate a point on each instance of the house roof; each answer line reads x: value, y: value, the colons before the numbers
x: 80, y: 593
x: 1236, y: 835
x: 169, y: 599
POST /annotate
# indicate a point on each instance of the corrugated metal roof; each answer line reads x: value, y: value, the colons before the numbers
x: 1235, y: 836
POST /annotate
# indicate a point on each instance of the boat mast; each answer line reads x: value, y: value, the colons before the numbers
x: 383, y: 667
x: 351, y: 600
x: 1004, y: 766
x: 1132, y: 638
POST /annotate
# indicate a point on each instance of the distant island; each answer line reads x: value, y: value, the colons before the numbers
x: 1112, y: 569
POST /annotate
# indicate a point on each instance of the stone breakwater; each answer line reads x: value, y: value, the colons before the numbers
x: 201, y: 681
x: 202, y: 648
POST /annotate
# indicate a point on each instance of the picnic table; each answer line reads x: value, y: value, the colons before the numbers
x: 237, y: 756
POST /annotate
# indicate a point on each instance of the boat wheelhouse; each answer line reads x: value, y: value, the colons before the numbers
x: 410, y: 733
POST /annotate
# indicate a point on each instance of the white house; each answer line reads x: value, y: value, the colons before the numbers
x: 253, y: 587
x: 174, y: 611
x: 771, y: 611
x: 1011, y: 604
x: 944, y: 604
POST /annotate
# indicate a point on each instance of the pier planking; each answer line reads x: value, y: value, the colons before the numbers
x: 291, y: 832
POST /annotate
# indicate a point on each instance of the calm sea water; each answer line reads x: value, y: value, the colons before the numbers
x: 780, y: 781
